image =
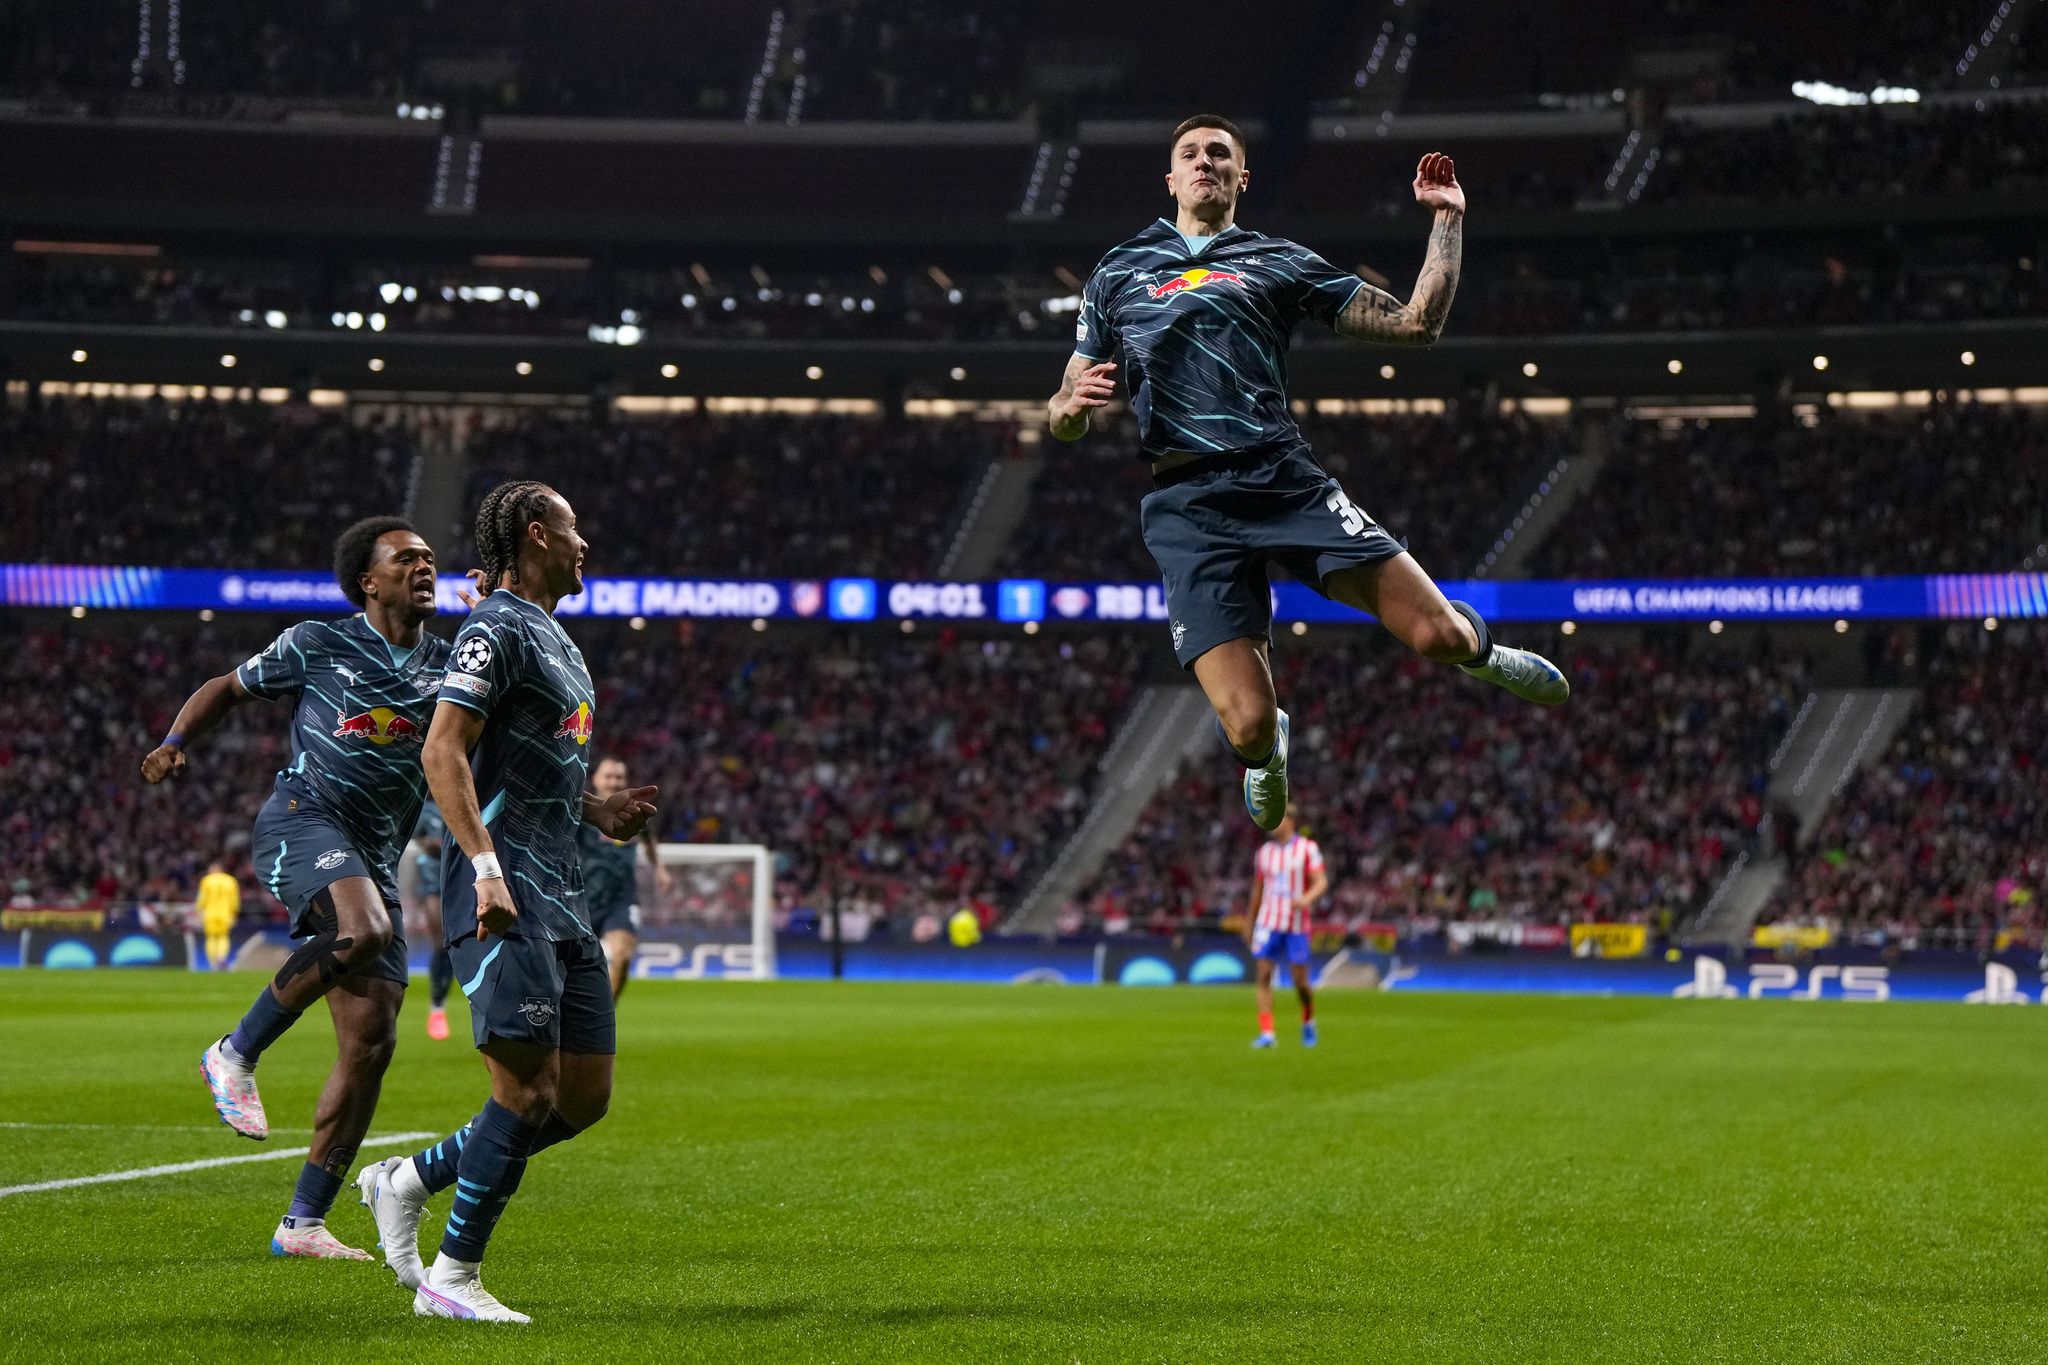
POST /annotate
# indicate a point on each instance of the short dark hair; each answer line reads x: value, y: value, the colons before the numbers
x: 356, y: 547
x: 603, y: 759
x: 1209, y: 121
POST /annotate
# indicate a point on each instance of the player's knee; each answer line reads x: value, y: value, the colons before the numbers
x: 1444, y: 637
x: 371, y: 1055
x: 1250, y: 725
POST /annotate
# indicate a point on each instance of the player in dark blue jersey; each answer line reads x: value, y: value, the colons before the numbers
x: 611, y: 886
x: 507, y: 759
x: 1200, y: 312
x: 327, y: 844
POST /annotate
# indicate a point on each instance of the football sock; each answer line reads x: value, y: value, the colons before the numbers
x: 315, y: 1193
x: 1239, y: 756
x: 263, y: 1025
x: 1265, y: 1021
x: 556, y: 1129
x: 493, y: 1160
x: 436, y: 1166
x: 1308, y: 1012
x: 440, y: 976
x: 1485, y: 653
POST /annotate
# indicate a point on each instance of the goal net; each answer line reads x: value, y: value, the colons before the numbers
x: 716, y: 919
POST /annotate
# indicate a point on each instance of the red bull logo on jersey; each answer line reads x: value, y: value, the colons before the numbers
x: 1193, y: 279
x: 379, y: 725
x: 578, y: 724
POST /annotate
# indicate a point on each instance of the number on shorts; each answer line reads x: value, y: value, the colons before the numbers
x: 1354, y: 520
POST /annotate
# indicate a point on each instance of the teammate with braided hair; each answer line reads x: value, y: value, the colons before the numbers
x: 508, y: 759
x: 327, y: 845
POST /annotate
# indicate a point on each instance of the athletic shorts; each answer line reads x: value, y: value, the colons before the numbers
x: 299, y: 853
x: 533, y: 990
x: 620, y: 914
x: 1213, y: 531
x: 1278, y: 947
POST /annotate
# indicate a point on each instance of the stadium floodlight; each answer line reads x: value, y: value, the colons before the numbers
x: 1820, y: 362
x: 1529, y: 368
x: 1969, y: 357
x: 814, y: 372
x: 227, y: 362
x: 376, y: 364
x: 275, y: 318
x: 959, y: 373
x: 524, y: 367
x: 717, y: 919
x: 1674, y: 365
x: 669, y: 372
x: 78, y: 357
x: 1386, y: 371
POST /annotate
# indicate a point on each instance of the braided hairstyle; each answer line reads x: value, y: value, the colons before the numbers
x: 501, y: 526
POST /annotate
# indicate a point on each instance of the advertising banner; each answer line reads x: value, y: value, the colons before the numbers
x: 1899, y: 598
x: 1609, y: 940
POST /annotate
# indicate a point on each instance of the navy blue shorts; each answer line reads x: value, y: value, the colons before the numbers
x: 1278, y: 947
x: 1214, y: 532
x: 620, y: 914
x: 533, y: 990
x: 299, y: 852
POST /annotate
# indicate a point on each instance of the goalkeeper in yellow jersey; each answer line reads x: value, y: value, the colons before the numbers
x: 220, y: 904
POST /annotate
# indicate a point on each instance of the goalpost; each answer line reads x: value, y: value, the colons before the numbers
x: 717, y: 919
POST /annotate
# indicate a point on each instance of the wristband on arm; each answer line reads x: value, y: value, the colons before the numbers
x: 486, y: 865
x: 174, y: 740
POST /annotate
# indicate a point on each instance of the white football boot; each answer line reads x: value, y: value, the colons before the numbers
x: 310, y: 1237
x: 396, y: 1202
x: 1528, y: 675
x: 1265, y: 789
x: 455, y: 1289
x: 235, y: 1099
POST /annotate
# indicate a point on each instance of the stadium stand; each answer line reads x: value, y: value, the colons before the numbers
x: 752, y: 494
x: 909, y: 774
x: 1945, y: 843
x: 120, y: 482
x: 1943, y: 489
x: 1439, y: 800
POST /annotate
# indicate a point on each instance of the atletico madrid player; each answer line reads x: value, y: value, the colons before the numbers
x: 1289, y: 879
x: 1198, y: 314
x: 327, y: 844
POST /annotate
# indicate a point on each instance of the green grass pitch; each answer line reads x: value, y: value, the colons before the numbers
x: 852, y: 1172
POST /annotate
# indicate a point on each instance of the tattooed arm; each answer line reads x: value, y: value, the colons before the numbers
x: 1086, y: 386
x: 1375, y: 315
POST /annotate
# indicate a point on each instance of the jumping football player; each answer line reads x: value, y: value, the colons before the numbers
x: 327, y: 843
x: 1201, y: 312
x: 610, y: 892
x: 517, y: 701
x: 430, y: 833
x: 1288, y: 879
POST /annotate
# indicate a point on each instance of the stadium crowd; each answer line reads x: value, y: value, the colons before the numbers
x: 1446, y: 807
x: 819, y: 495
x: 1947, y: 488
x: 124, y: 482
x: 904, y: 776
x: 1944, y: 843
x: 1447, y: 482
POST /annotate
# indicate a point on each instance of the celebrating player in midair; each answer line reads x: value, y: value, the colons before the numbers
x: 327, y: 843
x: 517, y: 701
x: 611, y: 892
x: 1201, y: 311
x: 1288, y: 880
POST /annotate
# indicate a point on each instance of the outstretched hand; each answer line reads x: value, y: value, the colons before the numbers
x: 623, y: 815
x: 1436, y: 183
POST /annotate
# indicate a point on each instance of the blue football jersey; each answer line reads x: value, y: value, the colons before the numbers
x: 1203, y: 337
x: 513, y: 664
x: 360, y: 723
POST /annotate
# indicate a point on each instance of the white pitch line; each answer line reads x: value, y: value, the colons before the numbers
x: 181, y: 1167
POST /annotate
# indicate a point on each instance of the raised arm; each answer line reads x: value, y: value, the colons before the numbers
x: 1374, y: 314
x: 202, y: 711
x: 1086, y: 386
